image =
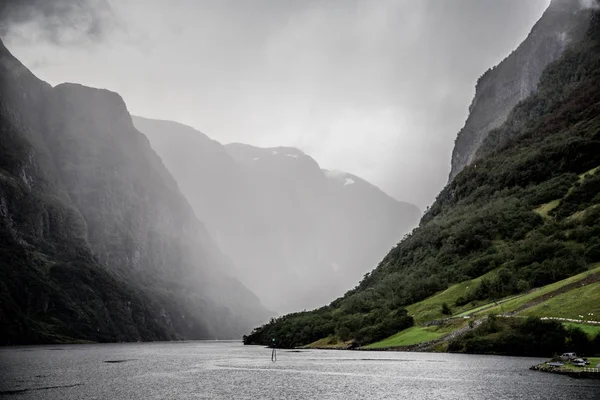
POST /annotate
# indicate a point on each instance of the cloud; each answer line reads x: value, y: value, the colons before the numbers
x: 595, y: 4
x: 59, y: 22
x: 377, y: 88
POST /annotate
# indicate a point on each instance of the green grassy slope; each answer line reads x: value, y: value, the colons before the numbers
x: 330, y: 342
x: 591, y: 330
x: 546, y: 210
x: 416, y: 335
x: 410, y: 336
x: 431, y: 308
x: 485, y: 219
x: 568, y: 298
x: 583, y: 301
x: 540, y: 295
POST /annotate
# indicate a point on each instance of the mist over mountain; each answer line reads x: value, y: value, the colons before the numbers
x: 375, y: 88
x: 97, y: 241
x: 298, y: 235
x: 502, y: 87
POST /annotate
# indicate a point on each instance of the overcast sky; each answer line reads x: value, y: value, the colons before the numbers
x: 378, y: 88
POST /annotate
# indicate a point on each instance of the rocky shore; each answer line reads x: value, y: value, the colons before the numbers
x: 591, y: 373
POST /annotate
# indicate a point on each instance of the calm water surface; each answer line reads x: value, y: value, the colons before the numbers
x: 226, y: 370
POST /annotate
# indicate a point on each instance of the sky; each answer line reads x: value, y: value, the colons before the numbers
x: 377, y: 88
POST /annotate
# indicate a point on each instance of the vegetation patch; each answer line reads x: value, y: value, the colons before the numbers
x: 415, y: 335
x: 410, y: 336
x: 591, y: 330
x: 431, y: 308
x: 545, y: 209
x: 536, y: 297
x: 525, y: 337
x: 581, y: 303
x: 588, y: 173
x: 330, y: 342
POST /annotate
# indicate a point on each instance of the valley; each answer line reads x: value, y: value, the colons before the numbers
x: 298, y: 235
x: 116, y: 227
x: 238, y: 199
x: 513, y: 235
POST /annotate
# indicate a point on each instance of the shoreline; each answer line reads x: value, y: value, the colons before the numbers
x: 582, y: 374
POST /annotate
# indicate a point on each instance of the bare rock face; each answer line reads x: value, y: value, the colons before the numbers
x: 96, y: 240
x: 517, y: 76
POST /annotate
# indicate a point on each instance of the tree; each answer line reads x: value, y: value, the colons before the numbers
x: 343, y: 334
x: 579, y: 341
x: 446, y: 310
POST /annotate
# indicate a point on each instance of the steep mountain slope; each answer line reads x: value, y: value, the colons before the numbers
x: 97, y: 241
x: 515, y: 78
x: 298, y: 235
x: 528, y: 210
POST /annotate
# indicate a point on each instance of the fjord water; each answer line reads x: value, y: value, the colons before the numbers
x: 229, y: 370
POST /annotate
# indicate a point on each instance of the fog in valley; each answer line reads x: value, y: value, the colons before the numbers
x: 375, y: 88
x: 307, y: 136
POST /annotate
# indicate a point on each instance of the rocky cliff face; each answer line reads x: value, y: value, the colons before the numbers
x: 98, y: 243
x: 299, y: 236
x: 515, y: 78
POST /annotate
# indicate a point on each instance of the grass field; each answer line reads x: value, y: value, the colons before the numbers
x: 545, y: 209
x: 579, y: 301
x: 487, y: 305
x: 520, y: 301
x: 594, y: 361
x: 431, y: 308
x: 408, y: 337
x: 591, y: 330
x: 416, y: 335
x: 329, y: 342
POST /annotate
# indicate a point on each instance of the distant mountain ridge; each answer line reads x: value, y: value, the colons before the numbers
x: 96, y: 241
x: 298, y: 235
x: 516, y: 77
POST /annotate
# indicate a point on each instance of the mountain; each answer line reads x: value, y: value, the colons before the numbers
x: 516, y: 77
x: 298, y: 235
x: 97, y: 243
x: 525, y: 215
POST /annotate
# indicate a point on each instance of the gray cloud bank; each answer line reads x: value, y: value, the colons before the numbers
x: 375, y: 88
x: 58, y: 22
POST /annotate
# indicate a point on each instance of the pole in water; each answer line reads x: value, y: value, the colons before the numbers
x: 274, y: 352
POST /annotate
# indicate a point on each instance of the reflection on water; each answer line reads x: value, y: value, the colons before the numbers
x: 228, y: 370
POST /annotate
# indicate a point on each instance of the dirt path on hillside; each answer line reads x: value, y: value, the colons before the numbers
x: 584, y: 282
